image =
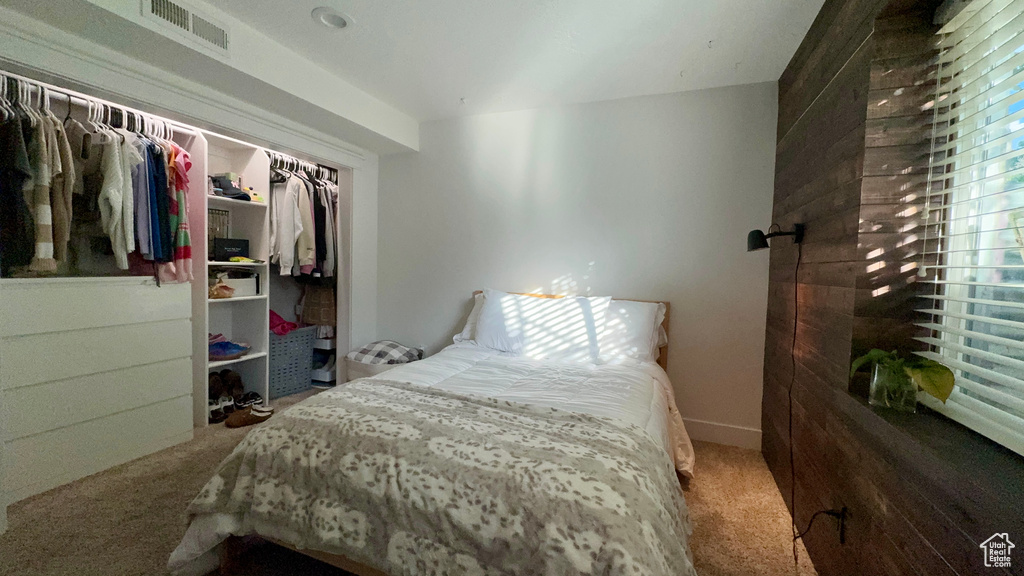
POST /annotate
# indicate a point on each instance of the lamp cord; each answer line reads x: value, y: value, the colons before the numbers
x: 792, y: 382
x: 840, y: 514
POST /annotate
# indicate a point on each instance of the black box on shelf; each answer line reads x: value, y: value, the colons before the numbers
x: 226, y: 248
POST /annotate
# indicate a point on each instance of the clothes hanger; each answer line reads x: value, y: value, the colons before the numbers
x: 48, y: 94
x: 35, y: 110
x: 26, y: 110
x: 5, y: 106
x: 68, y: 117
x: 44, y: 103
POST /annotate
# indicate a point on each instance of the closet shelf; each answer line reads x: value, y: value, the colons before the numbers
x: 251, y: 356
x: 238, y: 299
x: 230, y: 202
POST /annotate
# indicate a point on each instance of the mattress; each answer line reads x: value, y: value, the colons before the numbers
x: 635, y: 393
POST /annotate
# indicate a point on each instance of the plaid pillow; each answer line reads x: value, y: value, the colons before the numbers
x: 386, y: 352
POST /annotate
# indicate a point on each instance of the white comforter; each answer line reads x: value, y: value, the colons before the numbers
x: 637, y: 393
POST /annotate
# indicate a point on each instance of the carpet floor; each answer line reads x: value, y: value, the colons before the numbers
x: 126, y: 520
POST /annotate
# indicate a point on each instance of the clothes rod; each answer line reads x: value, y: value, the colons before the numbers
x: 286, y: 162
x: 86, y: 99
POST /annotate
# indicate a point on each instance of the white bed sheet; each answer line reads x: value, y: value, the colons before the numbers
x: 637, y: 393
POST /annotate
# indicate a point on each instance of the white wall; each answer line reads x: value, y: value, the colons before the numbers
x: 363, y: 300
x: 645, y: 198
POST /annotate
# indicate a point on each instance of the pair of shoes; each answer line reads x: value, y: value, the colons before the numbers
x: 233, y: 385
x: 216, y: 414
x: 249, y: 416
x: 225, y: 383
x: 214, y: 338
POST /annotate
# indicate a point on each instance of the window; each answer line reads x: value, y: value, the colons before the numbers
x: 974, y: 246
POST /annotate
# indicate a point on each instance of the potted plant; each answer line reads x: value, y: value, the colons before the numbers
x: 895, y: 381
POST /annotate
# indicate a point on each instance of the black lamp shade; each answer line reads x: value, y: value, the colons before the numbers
x: 756, y: 240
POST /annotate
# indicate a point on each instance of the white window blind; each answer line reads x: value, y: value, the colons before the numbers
x: 974, y: 244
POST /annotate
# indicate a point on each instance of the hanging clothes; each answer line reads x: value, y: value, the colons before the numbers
x: 305, y: 257
x: 41, y: 156
x: 289, y: 223
x: 329, y: 231
x: 179, y: 268
x: 139, y: 174
x: 16, y: 233
x: 61, y: 194
x: 112, y: 197
x: 66, y: 184
x: 303, y: 219
x: 182, y: 236
x: 159, y: 205
x: 320, y: 222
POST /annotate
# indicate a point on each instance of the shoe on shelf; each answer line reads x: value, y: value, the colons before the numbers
x: 248, y: 399
x: 227, y: 351
x: 216, y: 415
x: 331, y: 363
x: 215, y: 387
x: 233, y: 385
x: 227, y: 404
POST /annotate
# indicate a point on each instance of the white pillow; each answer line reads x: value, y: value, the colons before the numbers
x: 563, y: 329
x: 632, y: 331
x: 469, y: 330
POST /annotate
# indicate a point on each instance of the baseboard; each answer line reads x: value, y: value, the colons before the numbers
x: 723, y: 433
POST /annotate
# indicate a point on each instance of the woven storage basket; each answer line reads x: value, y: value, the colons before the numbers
x: 291, y: 361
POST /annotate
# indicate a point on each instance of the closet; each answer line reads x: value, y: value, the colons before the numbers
x: 245, y: 319
x: 100, y: 364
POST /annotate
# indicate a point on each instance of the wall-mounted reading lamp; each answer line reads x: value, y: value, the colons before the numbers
x: 757, y: 240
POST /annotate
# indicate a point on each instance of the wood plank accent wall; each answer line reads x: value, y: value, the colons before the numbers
x: 852, y: 149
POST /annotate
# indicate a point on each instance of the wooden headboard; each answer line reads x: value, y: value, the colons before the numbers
x: 662, y: 352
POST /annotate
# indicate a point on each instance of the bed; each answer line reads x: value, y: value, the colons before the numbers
x: 476, y: 460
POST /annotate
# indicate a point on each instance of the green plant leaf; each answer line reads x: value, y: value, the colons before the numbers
x: 932, y: 377
x: 875, y: 356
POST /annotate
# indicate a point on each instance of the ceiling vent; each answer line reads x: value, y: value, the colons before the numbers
x: 181, y: 23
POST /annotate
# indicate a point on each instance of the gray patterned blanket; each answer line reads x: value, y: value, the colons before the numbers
x: 412, y: 480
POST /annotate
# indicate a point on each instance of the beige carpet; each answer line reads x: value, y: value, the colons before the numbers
x: 126, y: 520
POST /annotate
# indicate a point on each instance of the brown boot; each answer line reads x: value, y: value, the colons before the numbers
x: 215, y: 386
x: 233, y: 385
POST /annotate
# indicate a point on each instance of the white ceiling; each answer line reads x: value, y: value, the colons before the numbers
x: 442, y: 58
